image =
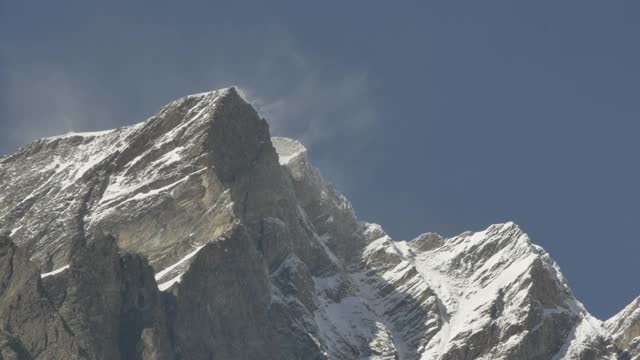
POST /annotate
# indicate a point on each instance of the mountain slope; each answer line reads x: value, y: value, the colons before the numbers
x: 252, y: 255
x: 625, y: 329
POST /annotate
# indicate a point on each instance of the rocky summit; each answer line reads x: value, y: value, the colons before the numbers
x: 196, y: 235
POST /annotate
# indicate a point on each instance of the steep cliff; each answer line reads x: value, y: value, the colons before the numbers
x: 195, y: 235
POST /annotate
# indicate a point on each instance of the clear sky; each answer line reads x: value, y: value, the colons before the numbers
x: 437, y: 116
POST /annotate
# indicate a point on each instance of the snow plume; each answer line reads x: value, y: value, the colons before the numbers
x: 318, y: 110
x: 44, y: 101
x: 303, y: 97
x: 329, y: 108
x: 332, y: 119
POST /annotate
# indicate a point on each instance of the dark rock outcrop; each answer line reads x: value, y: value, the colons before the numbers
x: 30, y: 326
x: 106, y: 305
x: 223, y: 302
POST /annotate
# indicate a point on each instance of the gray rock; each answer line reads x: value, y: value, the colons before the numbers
x: 30, y: 326
x: 194, y: 235
x: 625, y: 330
x: 223, y: 302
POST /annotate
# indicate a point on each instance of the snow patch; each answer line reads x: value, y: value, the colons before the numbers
x: 166, y: 285
x: 169, y: 158
x: 165, y: 271
x: 54, y: 272
x: 15, y: 230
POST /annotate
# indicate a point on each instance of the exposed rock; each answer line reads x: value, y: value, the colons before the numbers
x: 113, y: 300
x: 30, y: 326
x: 625, y: 330
x: 103, y: 303
x: 426, y: 242
x: 223, y: 302
x: 252, y: 255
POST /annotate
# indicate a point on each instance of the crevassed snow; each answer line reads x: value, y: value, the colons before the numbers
x: 54, y: 272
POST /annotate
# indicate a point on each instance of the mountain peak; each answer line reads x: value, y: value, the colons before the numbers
x: 81, y: 182
x: 246, y: 252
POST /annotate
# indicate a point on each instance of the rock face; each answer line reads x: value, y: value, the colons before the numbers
x: 195, y: 235
x: 29, y: 322
x: 105, y: 305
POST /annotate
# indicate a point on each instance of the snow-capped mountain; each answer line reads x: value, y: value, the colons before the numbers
x: 624, y: 327
x: 195, y: 235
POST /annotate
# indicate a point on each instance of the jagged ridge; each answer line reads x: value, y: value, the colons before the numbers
x: 256, y: 256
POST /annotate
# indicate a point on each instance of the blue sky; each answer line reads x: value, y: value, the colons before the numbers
x: 431, y: 116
